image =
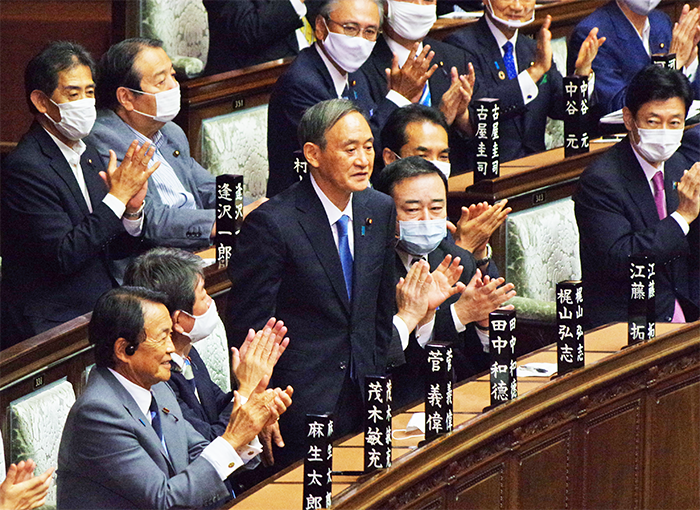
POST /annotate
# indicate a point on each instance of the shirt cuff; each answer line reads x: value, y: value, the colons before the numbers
x: 689, y: 71
x: 223, y: 457
x: 397, y: 99
x: 425, y: 333
x: 528, y: 87
x: 402, y: 329
x: 299, y: 7
x: 681, y: 222
x: 250, y: 451
x: 459, y: 327
x: 591, y: 84
x: 115, y: 204
x: 132, y: 227
x: 483, y: 338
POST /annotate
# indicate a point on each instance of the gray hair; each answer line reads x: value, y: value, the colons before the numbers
x: 330, y: 5
x: 321, y: 117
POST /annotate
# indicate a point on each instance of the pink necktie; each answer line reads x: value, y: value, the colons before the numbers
x: 658, y: 182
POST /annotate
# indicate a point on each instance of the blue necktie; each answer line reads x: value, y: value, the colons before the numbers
x: 425, y: 98
x: 509, y: 60
x: 155, y: 420
x: 344, y: 251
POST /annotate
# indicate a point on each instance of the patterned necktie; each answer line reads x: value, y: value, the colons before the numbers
x: 658, y: 182
x: 344, y: 251
x: 155, y: 418
x: 509, y: 60
x: 308, y: 31
x: 188, y: 374
x: 425, y: 98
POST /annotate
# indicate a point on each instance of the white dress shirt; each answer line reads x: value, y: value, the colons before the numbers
x: 334, y: 214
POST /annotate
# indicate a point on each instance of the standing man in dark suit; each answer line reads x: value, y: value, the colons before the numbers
x: 243, y: 33
x: 519, y: 71
x: 419, y: 191
x: 126, y: 443
x: 319, y: 256
x: 449, y: 89
x: 179, y: 275
x: 634, y: 31
x: 346, y: 31
x: 642, y: 197
x: 66, y: 216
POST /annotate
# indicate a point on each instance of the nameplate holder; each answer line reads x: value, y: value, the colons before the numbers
x: 229, y: 215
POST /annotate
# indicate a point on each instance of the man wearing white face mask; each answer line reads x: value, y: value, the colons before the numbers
x: 449, y: 88
x: 634, y: 30
x: 419, y: 191
x: 67, y: 217
x: 519, y: 72
x: 642, y: 197
x: 346, y: 32
x: 178, y: 274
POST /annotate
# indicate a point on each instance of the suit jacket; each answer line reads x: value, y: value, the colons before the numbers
x: 57, y: 256
x: 165, y: 226
x: 209, y: 414
x: 521, y: 126
x: 623, y: 54
x: 408, y: 380
x: 111, y: 457
x: 287, y: 266
x: 616, y: 217
x: 446, y: 57
x: 306, y: 83
x: 243, y: 33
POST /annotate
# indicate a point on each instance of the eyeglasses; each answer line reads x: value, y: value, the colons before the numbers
x: 353, y: 30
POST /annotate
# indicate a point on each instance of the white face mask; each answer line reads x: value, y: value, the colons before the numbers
x: 411, y: 21
x: 167, y: 104
x: 204, y: 324
x: 444, y: 166
x: 77, y: 118
x: 657, y: 145
x: 641, y: 7
x: 348, y: 52
x: 511, y: 23
x: 420, y: 237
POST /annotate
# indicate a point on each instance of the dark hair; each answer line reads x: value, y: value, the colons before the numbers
x: 329, y: 6
x: 116, y: 69
x: 119, y: 314
x: 321, y: 117
x: 655, y: 83
x: 405, y: 168
x: 393, y: 134
x: 42, y: 70
x: 171, y: 271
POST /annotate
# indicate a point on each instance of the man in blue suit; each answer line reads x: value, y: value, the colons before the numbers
x: 519, y: 72
x: 642, y: 197
x: 63, y: 225
x: 346, y: 31
x: 126, y: 443
x: 319, y: 257
x: 634, y: 31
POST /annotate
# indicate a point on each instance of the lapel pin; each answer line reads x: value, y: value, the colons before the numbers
x: 501, y: 75
x: 90, y: 161
x: 661, y: 45
x: 176, y: 154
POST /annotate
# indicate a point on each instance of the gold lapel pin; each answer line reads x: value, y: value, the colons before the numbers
x: 501, y: 75
x: 176, y: 153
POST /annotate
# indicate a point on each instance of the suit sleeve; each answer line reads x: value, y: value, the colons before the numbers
x: 51, y: 236
x: 387, y: 297
x: 256, y: 272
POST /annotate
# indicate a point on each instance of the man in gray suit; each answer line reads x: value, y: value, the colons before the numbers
x: 126, y: 443
x: 139, y: 97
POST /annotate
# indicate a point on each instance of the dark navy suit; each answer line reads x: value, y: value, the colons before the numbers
x: 522, y: 125
x: 287, y: 266
x: 617, y: 216
x: 306, y: 83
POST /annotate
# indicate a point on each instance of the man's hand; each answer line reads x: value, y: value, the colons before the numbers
x: 263, y: 409
x: 481, y: 297
x: 543, y: 57
x: 267, y: 436
x: 21, y: 490
x: 128, y: 180
x: 445, y: 282
x: 686, y: 36
x: 476, y: 225
x: 410, y: 79
x: 258, y: 355
x: 587, y: 52
x: 413, y: 294
x: 455, y: 102
x: 689, y: 194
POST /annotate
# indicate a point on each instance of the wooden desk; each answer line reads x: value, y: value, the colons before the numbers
x: 618, y: 433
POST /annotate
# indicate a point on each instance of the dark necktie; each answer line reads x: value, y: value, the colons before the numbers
x: 155, y: 418
x: 509, y: 60
x: 344, y: 251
